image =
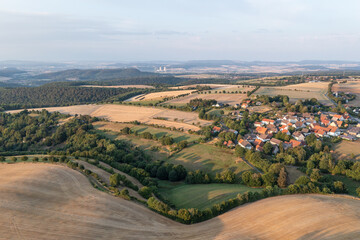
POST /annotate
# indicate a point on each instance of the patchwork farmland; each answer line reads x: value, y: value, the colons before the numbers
x: 301, y: 91
x: 351, y: 86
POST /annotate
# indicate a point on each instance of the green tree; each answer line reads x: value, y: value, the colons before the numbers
x: 358, y: 191
x: 162, y: 173
x: 269, y: 179
x: 126, y: 130
x: 282, y: 179
x: 339, y: 187
x: 315, y: 175
x: 145, y: 191
x: 166, y: 140
x: 114, y: 180
x: 173, y: 176
x: 13, y: 159
x: 124, y: 193
x: 268, y: 148
x: 239, y: 151
x: 302, y: 180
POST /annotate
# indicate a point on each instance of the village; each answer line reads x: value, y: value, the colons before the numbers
x: 294, y: 127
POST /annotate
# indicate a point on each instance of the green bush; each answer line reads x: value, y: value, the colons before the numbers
x: 146, y: 192
x: 303, y: 180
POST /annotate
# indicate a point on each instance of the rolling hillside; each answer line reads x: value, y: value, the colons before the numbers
x: 43, y: 201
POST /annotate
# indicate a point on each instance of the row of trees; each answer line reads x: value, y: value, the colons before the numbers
x: 193, y: 215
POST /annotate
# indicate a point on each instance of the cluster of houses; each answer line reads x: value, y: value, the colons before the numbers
x: 297, y: 126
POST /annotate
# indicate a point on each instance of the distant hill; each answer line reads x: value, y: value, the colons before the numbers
x: 9, y: 72
x: 124, y: 76
x: 94, y: 74
x: 205, y: 63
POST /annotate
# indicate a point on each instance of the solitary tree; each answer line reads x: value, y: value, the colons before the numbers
x: 315, y: 175
x: 282, y: 180
x: 114, y: 180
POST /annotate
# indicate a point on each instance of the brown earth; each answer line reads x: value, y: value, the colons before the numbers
x: 43, y: 201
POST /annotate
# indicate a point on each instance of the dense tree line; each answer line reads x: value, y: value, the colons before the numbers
x: 21, y: 132
x: 23, y: 97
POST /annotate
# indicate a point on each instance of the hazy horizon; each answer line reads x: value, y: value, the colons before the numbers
x: 122, y: 31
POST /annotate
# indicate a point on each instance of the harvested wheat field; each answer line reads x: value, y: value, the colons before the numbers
x: 119, y: 86
x: 348, y: 150
x: 225, y: 98
x: 43, y: 201
x: 227, y: 87
x: 125, y: 113
x: 351, y: 87
x: 300, y: 91
x: 158, y: 95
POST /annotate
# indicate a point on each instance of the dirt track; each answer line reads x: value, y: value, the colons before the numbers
x: 43, y: 201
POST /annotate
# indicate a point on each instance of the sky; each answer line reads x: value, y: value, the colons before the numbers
x: 147, y: 30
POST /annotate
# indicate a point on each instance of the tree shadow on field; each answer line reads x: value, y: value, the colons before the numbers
x: 141, y: 130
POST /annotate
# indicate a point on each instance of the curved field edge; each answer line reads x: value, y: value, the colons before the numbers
x: 45, y: 201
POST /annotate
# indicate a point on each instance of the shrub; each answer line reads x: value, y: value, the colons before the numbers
x: 114, y: 180
x: 339, y: 187
x: 124, y: 193
x: 303, y: 180
x: 146, y: 192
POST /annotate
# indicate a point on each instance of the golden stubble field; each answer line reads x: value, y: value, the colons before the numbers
x: 227, y: 87
x: 44, y: 201
x: 225, y: 98
x: 351, y: 86
x: 158, y: 95
x: 126, y: 113
x: 300, y: 91
x: 119, y: 86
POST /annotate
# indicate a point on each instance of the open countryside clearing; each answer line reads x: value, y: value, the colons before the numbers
x: 124, y: 113
x: 351, y: 86
x: 300, y: 91
x: 158, y: 132
x: 201, y: 196
x: 208, y: 158
x: 43, y: 201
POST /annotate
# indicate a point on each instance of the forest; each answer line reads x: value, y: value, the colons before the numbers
x: 57, y: 95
